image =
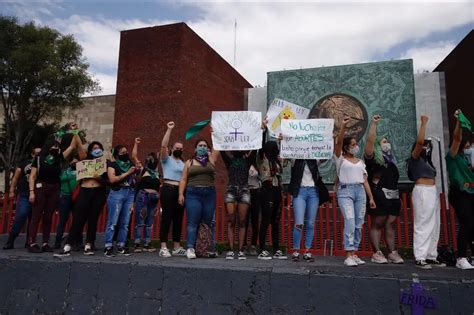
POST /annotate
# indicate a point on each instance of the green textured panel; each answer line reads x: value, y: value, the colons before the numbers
x: 360, y: 90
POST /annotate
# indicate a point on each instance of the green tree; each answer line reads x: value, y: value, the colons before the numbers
x: 42, y: 72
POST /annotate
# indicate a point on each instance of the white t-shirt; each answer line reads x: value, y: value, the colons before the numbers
x: 307, y: 179
x: 348, y: 172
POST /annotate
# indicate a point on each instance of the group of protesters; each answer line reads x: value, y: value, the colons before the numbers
x: 366, y: 181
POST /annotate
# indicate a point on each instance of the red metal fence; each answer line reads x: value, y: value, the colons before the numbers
x: 329, y: 225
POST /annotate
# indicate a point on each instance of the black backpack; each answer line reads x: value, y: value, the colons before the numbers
x: 446, y: 255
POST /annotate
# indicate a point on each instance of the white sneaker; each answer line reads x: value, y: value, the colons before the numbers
x: 358, y: 260
x: 379, y: 258
x: 179, y: 252
x: 164, y: 252
x: 264, y: 255
x: 462, y: 263
x: 229, y: 255
x: 190, y: 253
x: 350, y: 262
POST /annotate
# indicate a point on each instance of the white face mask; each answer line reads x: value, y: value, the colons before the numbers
x: 354, y: 150
x: 386, y: 147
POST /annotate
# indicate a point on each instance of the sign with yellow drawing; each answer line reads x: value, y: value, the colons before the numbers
x: 280, y: 110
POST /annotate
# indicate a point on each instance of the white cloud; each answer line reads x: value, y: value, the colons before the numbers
x: 426, y: 58
x: 108, y: 82
x: 275, y: 36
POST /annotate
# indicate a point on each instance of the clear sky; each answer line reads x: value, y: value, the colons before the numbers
x: 271, y: 35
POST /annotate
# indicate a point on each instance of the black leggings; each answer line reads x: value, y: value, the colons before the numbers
x: 172, y: 213
x: 254, y: 215
x: 271, y: 212
x: 463, y: 204
x: 87, y: 209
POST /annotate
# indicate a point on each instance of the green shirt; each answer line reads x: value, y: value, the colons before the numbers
x: 68, y: 181
x: 460, y: 174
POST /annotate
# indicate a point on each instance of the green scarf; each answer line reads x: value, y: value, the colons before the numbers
x: 124, y: 166
x: 465, y: 123
x: 153, y: 173
x: 49, y: 159
x: 196, y: 128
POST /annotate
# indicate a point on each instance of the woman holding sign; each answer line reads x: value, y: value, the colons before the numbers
x: 89, y: 204
x: 44, y: 183
x: 200, y: 200
x: 383, y: 179
x: 237, y: 196
x: 270, y: 169
x: 351, y: 192
x: 303, y: 187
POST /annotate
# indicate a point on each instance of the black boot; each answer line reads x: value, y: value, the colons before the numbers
x: 9, y: 243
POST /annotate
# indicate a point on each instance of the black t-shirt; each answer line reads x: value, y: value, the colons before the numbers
x: 388, y: 174
x: 148, y: 182
x: 129, y: 181
x: 48, y: 172
x: 22, y: 185
x: 237, y: 169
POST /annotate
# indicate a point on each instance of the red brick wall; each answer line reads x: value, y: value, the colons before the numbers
x: 169, y: 73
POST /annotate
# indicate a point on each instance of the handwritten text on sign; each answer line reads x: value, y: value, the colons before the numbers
x: 91, y: 168
x: 281, y: 110
x: 240, y: 130
x: 309, y: 139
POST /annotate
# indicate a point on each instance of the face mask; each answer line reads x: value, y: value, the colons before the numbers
x: 73, y: 166
x: 97, y: 153
x: 468, y: 151
x: 201, y: 151
x: 354, y: 150
x: 54, y: 151
x: 124, y: 157
x: 386, y: 147
x: 177, y: 153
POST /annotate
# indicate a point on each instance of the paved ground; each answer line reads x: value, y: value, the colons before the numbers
x: 322, y: 265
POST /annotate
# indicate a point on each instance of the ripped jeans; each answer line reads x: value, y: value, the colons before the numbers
x: 305, y: 207
x: 145, y: 210
x: 119, y: 207
x: 352, y: 201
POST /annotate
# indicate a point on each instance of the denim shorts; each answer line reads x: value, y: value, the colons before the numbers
x: 236, y: 194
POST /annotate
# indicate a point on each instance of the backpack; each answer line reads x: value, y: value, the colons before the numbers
x: 204, y: 241
x: 409, y: 169
x: 446, y: 255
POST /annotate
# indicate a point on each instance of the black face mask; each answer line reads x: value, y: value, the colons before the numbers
x: 152, y: 164
x: 177, y: 153
x: 73, y: 167
x: 54, y: 151
x: 124, y: 157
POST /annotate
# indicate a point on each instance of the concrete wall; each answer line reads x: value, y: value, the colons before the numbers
x: 178, y: 286
x: 429, y: 101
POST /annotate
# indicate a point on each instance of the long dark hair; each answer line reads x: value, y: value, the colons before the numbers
x: 271, y: 150
x: 196, y: 145
x: 425, y: 143
x: 116, y: 150
x: 346, y: 142
x: 91, y: 146
x: 49, y: 143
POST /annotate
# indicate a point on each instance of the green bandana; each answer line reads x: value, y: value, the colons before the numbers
x: 237, y: 161
x: 49, y: 159
x: 153, y: 173
x: 124, y: 166
x: 196, y: 128
x: 465, y: 123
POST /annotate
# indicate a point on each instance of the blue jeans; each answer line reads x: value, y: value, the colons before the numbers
x: 305, y: 207
x: 352, y: 202
x: 23, y: 211
x: 65, y: 208
x: 119, y: 207
x: 145, y: 209
x: 200, y: 203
